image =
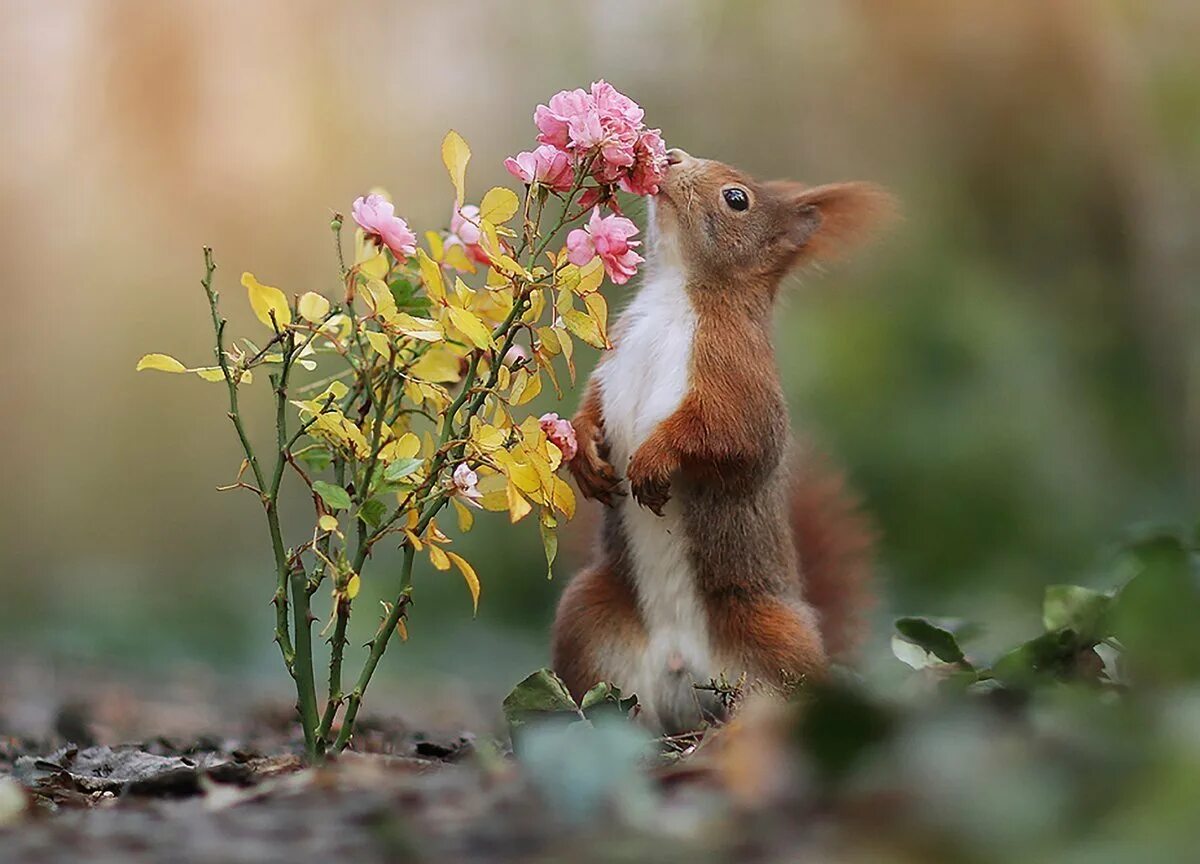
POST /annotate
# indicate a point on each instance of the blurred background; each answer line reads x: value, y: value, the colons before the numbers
x: 1010, y: 379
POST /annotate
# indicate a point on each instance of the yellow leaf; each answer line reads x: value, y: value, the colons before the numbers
x: 313, y: 307
x: 471, y: 327
x: 437, y: 247
x: 456, y: 257
x: 160, y: 362
x: 495, y: 492
x: 327, y: 523
x: 524, y: 477
x: 380, y: 343
x: 518, y: 507
x: 425, y: 329
x: 407, y: 446
x: 353, y: 587
x: 488, y: 438
x: 563, y: 498
x: 402, y: 630
x: 462, y: 292
x: 549, y: 340
x: 379, y: 299
x: 582, y: 325
x: 591, y: 277
x: 437, y: 366
x: 431, y: 275
x: 468, y: 573
x: 499, y: 205
x: 455, y: 156
x: 597, y: 307
x: 375, y: 267
x: 466, y: 518
x: 267, y: 301
x: 533, y: 386
x: 438, y: 558
x: 414, y: 539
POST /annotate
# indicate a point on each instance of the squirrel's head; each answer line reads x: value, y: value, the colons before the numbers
x: 725, y: 224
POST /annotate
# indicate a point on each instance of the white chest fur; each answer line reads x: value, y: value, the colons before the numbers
x: 642, y: 383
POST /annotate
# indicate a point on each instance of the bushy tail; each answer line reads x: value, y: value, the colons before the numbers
x: 835, y: 542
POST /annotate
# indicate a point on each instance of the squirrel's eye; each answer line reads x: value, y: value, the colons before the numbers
x: 736, y: 198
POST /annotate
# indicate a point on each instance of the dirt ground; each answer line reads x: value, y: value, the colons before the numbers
x: 83, y: 778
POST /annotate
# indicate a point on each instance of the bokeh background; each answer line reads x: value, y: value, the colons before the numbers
x: 1010, y: 378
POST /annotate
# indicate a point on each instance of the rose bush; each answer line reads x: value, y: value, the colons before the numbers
x: 400, y: 393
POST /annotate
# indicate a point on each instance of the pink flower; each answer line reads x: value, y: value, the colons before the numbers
x: 547, y: 166
x: 515, y: 354
x: 561, y: 434
x: 571, y: 118
x: 466, y: 483
x: 608, y: 237
x: 649, y: 166
x: 377, y: 217
x: 465, y: 232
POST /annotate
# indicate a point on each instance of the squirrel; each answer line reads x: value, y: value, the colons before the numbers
x: 720, y: 553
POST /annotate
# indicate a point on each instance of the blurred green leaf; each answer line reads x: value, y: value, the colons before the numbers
x: 541, y: 693
x: 1080, y: 609
x: 1155, y: 615
x: 606, y: 700
x: 316, y: 458
x: 839, y: 724
x: 938, y: 641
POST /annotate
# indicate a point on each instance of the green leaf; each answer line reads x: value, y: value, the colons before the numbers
x: 335, y: 496
x: 1080, y: 609
x: 606, y: 700
x: 1051, y: 654
x: 401, y: 468
x: 541, y: 693
x: 316, y: 458
x: 938, y: 641
x: 372, y: 512
x: 549, y: 525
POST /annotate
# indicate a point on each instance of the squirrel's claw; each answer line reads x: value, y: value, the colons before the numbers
x: 651, y: 486
x: 652, y: 494
x: 594, y: 476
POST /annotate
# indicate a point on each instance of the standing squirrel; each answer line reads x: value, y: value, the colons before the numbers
x: 719, y: 552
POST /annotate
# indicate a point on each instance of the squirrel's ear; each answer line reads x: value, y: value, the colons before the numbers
x: 829, y: 221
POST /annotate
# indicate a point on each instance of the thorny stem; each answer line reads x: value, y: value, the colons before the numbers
x: 282, y: 636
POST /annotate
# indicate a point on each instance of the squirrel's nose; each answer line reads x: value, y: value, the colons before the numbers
x: 675, y: 156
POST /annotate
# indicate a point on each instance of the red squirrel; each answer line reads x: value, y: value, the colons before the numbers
x: 719, y: 553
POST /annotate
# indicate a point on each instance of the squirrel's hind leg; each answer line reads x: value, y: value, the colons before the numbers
x: 773, y: 639
x: 598, y: 631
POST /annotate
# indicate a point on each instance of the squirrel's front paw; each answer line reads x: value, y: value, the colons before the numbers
x: 594, y: 476
x: 650, y: 481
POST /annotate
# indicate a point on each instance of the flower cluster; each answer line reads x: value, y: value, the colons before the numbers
x: 600, y: 132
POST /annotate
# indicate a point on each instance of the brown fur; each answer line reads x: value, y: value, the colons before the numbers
x: 751, y: 528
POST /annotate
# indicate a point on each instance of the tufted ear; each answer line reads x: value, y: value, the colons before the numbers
x: 827, y: 222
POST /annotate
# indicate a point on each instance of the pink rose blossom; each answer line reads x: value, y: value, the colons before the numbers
x: 377, y: 217
x: 608, y: 237
x: 571, y: 118
x: 547, y: 166
x: 561, y: 434
x: 649, y: 165
x: 466, y: 483
x: 601, y: 129
x: 515, y: 354
x: 465, y: 232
